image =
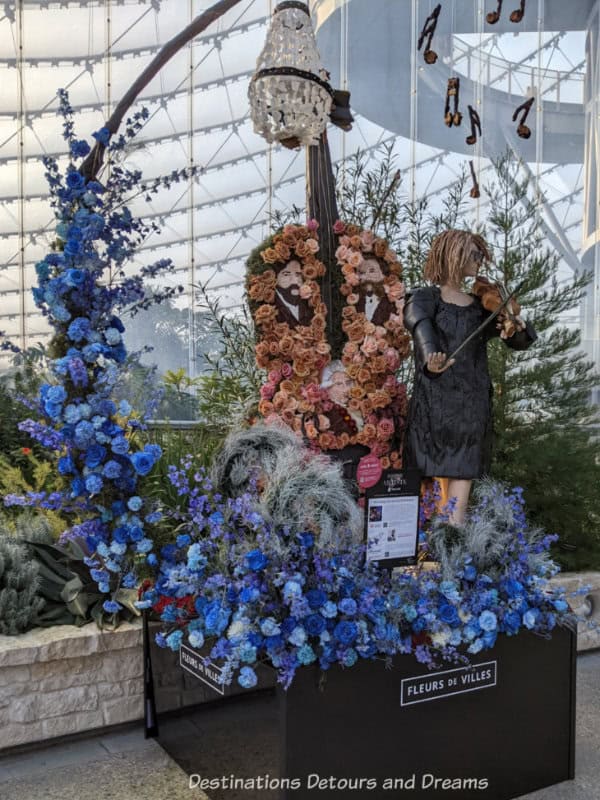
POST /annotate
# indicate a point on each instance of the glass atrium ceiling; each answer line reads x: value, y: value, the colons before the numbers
x: 199, y: 115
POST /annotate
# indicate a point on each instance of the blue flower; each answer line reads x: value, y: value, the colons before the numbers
x: 94, y: 455
x: 93, y: 483
x: 329, y: 610
x: 448, y: 614
x: 103, y: 137
x: 306, y: 655
x: 348, y: 606
x: 247, y: 678
x: 65, y: 465
x: 269, y: 627
x: 345, y: 632
x: 196, y: 639
x: 75, y: 277
x: 75, y: 180
x: 316, y: 598
x: 530, y: 618
x: 79, y: 329
x: 488, y: 621
x: 135, y: 503
x: 142, y: 462
x: 314, y: 624
x: 79, y: 148
x: 297, y: 636
x: 306, y: 539
x: 256, y: 560
x: 174, y: 640
x: 111, y: 606
x: 119, y: 445
x: 112, y: 469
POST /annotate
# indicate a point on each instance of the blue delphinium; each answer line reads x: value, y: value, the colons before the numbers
x: 96, y: 235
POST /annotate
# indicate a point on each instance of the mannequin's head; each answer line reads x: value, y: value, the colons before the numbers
x: 455, y: 255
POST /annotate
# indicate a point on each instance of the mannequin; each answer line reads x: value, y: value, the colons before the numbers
x: 450, y: 413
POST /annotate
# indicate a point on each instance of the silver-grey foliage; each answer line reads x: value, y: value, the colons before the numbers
x: 300, y: 491
x: 485, y: 536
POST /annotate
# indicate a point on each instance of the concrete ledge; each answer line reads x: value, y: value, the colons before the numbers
x: 64, y: 680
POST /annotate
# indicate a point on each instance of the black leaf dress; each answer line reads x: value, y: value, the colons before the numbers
x: 449, y: 426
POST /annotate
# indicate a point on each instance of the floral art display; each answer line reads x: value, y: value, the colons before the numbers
x: 249, y: 591
x: 82, y: 287
x: 333, y: 404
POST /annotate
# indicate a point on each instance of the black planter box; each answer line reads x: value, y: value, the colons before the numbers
x: 499, y: 729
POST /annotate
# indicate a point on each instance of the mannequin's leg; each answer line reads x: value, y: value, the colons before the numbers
x: 460, y: 489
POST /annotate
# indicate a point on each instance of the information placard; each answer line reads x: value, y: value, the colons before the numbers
x: 392, y: 518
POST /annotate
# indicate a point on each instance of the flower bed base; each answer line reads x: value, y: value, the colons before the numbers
x: 499, y: 729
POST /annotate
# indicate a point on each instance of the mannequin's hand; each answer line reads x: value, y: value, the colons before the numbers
x: 436, y: 362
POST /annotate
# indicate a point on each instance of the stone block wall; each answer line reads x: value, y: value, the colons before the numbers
x: 65, y: 680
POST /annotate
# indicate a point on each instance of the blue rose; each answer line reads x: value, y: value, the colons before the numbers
x: 75, y: 180
x: 135, y: 503
x: 79, y: 148
x: 94, y: 455
x: 112, y: 469
x: 316, y: 598
x: 306, y: 655
x: 314, y: 624
x: 75, y: 277
x: 119, y: 445
x: 256, y: 560
x: 348, y: 606
x: 345, y: 632
x: 448, y: 614
x: 142, y: 463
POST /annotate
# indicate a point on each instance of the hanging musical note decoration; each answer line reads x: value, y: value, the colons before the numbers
x: 494, y: 16
x: 475, y: 193
x: 475, y: 126
x: 523, y: 130
x: 452, y: 117
x: 519, y: 13
x: 431, y: 22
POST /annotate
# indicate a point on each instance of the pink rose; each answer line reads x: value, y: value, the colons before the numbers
x: 305, y: 291
x: 345, y: 240
x: 369, y: 346
x: 338, y: 227
x: 341, y: 253
x: 395, y: 291
x: 312, y: 225
x: 324, y: 423
x: 385, y: 428
x: 355, y: 259
x: 267, y: 390
x: 312, y: 245
x: 353, y: 299
x: 286, y: 370
x: 274, y: 376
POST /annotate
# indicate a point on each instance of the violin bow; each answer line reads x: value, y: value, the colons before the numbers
x: 487, y: 321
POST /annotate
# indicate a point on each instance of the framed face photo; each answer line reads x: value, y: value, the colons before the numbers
x: 392, y: 518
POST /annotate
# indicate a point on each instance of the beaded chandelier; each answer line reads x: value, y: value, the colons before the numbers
x: 290, y: 98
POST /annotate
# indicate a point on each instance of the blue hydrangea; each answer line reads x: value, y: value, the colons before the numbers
x: 247, y: 678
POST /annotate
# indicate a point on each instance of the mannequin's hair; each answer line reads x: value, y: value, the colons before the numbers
x: 449, y: 252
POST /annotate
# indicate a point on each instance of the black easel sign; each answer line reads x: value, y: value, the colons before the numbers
x: 392, y: 518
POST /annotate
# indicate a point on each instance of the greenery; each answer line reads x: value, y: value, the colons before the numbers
x: 20, y: 601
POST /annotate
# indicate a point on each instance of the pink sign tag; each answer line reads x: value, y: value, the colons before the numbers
x: 368, y: 472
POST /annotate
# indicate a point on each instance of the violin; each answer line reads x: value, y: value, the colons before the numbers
x: 493, y: 295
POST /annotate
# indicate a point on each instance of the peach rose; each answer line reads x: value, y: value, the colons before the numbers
x: 352, y: 299
x: 269, y: 256
x: 265, y: 314
x: 324, y: 423
x: 355, y: 259
x: 312, y: 245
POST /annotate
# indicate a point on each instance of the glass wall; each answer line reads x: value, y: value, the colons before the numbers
x: 199, y: 115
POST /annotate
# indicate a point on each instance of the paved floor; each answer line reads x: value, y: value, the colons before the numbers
x: 124, y: 766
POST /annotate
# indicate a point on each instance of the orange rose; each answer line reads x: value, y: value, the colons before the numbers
x: 352, y: 230
x: 356, y: 242
x: 385, y: 462
x: 363, y: 375
x: 380, y: 248
x: 265, y: 408
x: 269, y: 256
x: 265, y: 314
x: 282, y: 250
x: 310, y: 430
x: 310, y: 271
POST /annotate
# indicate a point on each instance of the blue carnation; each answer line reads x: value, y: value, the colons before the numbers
x: 93, y: 483
x: 56, y: 394
x: 269, y: 627
x: 111, y: 606
x: 112, y: 469
x: 79, y: 329
x: 297, y: 636
x: 196, y: 639
x: 306, y: 655
x: 488, y: 621
x: 247, y: 678
x: 135, y: 503
x: 329, y: 610
x: 174, y: 640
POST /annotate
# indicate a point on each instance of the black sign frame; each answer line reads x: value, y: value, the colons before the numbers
x: 395, y: 483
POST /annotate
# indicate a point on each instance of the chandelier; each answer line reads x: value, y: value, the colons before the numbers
x: 290, y: 97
